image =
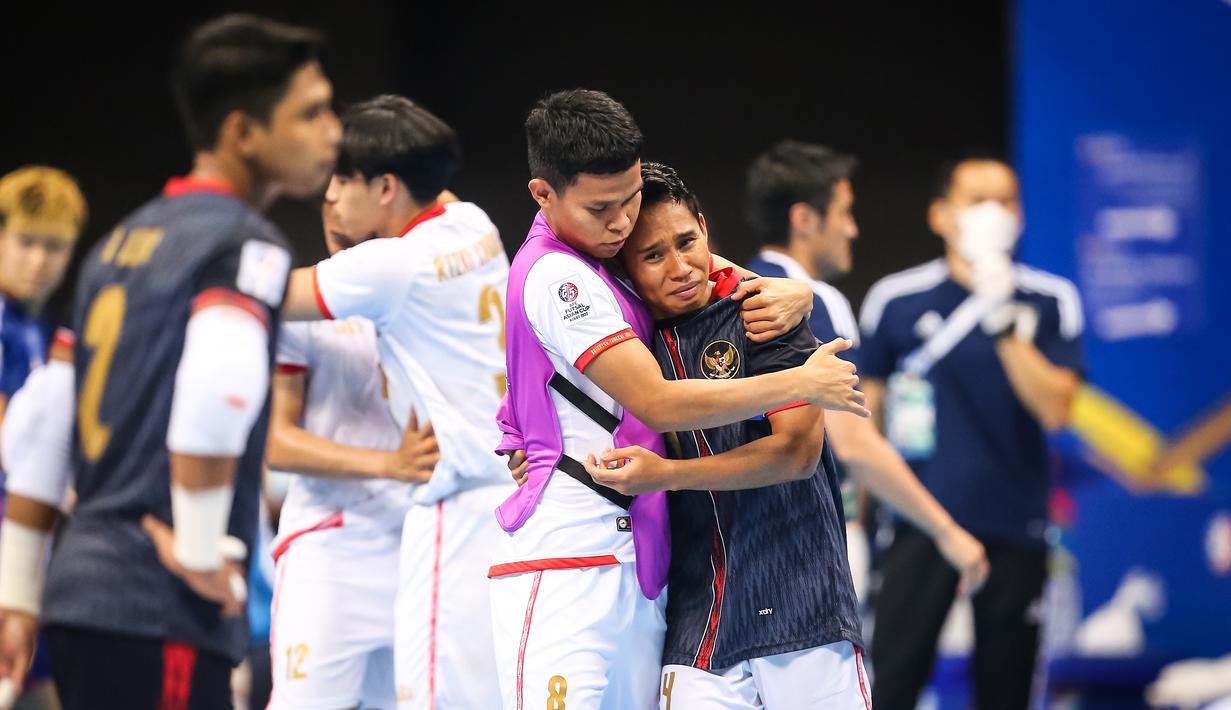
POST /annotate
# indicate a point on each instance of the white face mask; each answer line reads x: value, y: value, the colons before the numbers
x: 985, y: 229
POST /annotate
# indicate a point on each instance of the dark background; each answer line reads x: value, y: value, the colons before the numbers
x: 902, y: 87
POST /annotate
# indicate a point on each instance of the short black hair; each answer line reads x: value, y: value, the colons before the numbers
x: 944, y: 176
x: 580, y: 131
x: 392, y: 134
x: 661, y: 183
x: 237, y: 62
x: 790, y: 172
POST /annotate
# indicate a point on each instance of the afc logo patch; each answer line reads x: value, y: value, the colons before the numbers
x: 720, y: 360
x: 568, y: 292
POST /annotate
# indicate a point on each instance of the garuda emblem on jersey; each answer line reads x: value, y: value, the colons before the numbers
x: 720, y: 360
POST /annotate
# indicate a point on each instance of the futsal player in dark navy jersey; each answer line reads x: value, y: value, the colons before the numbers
x: 761, y: 611
x: 175, y: 309
x: 800, y: 199
x: 1000, y: 367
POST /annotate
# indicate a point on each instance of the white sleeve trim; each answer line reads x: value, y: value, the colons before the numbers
x: 913, y: 280
x: 1068, y: 299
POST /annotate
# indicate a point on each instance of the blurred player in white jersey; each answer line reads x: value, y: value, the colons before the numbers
x: 435, y: 292
x: 331, y: 639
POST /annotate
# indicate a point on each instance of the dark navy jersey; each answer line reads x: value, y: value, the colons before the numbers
x: 189, y: 248
x: 989, y: 464
x: 753, y: 572
x: 831, y: 318
x: 831, y: 315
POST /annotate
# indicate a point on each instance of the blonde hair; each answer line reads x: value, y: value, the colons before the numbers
x: 38, y: 199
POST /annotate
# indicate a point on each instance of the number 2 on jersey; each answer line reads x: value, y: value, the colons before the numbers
x: 492, y: 306
x: 102, y: 331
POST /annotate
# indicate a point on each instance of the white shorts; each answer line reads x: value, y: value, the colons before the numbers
x: 830, y: 677
x: 331, y: 631
x: 443, y: 655
x: 578, y: 638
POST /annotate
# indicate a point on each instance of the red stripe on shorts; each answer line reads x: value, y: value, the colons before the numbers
x: 525, y: 636
x: 863, y: 684
x: 178, y: 661
x: 431, y: 641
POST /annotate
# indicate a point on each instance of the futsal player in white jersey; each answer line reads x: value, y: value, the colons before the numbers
x: 435, y: 293
x: 332, y: 621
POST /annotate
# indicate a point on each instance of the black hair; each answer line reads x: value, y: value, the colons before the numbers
x: 392, y: 134
x: 661, y: 183
x: 580, y: 131
x: 944, y: 176
x: 237, y: 62
x: 788, y: 173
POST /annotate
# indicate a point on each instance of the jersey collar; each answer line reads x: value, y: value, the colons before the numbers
x: 435, y: 210
x: 185, y: 185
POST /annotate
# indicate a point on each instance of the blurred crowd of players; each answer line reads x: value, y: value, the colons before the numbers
x: 138, y: 437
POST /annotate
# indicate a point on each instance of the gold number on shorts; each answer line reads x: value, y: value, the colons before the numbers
x: 102, y: 331
x: 491, y: 305
x: 668, y: 685
x: 384, y: 382
x: 295, y: 656
x: 557, y: 688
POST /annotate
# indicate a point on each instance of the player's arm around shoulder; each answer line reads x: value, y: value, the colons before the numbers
x: 292, y: 448
x: 366, y: 280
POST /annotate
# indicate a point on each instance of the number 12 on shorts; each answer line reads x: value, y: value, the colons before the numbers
x: 296, y: 654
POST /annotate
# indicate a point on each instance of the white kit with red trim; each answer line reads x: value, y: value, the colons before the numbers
x: 571, y: 625
x: 338, y: 544
x: 576, y: 318
x: 343, y: 402
x: 436, y: 296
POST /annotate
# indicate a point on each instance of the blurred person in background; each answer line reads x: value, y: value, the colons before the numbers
x: 176, y: 308
x: 42, y: 212
x: 972, y: 358
x: 800, y: 202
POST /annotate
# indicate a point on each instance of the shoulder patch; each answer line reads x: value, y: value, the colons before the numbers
x: 263, y: 269
x: 572, y: 299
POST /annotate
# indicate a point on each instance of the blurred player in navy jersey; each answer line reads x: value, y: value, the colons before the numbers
x: 175, y: 307
x: 800, y: 203
x: 972, y: 357
x: 42, y: 212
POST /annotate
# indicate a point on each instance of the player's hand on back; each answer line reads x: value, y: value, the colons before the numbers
x: 967, y: 556
x: 519, y: 467
x: 224, y: 586
x: 415, y: 459
x: 631, y: 470
x: 772, y: 307
x: 17, y: 639
x: 830, y: 380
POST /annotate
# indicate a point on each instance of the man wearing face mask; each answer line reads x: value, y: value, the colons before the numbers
x: 972, y: 359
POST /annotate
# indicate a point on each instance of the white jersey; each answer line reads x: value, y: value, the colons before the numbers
x: 345, y: 403
x: 576, y: 317
x: 436, y: 295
